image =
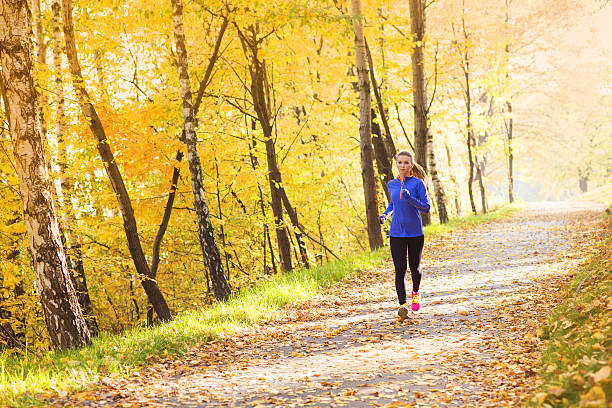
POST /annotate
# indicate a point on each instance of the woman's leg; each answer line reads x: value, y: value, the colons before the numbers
x: 415, y: 249
x: 398, y: 253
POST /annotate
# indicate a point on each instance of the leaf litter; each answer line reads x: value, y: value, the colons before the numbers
x: 486, y: 290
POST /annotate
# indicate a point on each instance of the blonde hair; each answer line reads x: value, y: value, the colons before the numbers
x: 417, y: 171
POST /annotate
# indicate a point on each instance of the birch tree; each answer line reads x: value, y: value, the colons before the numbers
x: 206, y: 232
x: 63, y: 316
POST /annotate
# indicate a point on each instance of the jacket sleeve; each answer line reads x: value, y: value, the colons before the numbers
x: 421, y: 202
x: 389, y: 209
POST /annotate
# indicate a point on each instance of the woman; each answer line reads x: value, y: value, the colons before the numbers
x: 408, y: 198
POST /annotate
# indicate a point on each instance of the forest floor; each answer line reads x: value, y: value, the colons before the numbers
x: 486, y: 290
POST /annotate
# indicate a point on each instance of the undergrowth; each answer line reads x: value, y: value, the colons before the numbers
x: 576, y: 358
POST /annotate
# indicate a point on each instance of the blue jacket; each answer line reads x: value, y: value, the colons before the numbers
x: 406, y: 220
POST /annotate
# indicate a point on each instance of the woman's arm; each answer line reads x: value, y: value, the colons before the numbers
x: 421, y: 202
x: 389, y: 209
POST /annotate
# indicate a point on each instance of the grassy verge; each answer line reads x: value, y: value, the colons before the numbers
x: 577, y: 353
x: 601, y: 194
x: 28, y: 380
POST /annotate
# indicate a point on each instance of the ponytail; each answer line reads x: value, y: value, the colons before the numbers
x: 417, y: 171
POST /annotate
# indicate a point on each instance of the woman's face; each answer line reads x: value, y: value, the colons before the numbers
x: 404, y: 164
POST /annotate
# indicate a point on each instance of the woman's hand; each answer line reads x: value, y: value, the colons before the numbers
x: 405, y: 193
x: 382, y: 218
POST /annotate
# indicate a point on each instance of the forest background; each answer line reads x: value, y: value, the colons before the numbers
x: 511, y: 84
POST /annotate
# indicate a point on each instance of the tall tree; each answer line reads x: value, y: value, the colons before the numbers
x: 509, y: 123
x: 384, y: 149
x: 421, y: 119
x: 260, y: 94
x: 112, y: 170
x: 470, y: 139
x: 365, y: 129
x: 63, y: 316
x: 206, y: 232
x: 75, y: 258
x: 472, y: 143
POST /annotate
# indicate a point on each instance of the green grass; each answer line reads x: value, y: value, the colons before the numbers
x: 601, y: 194
x: 27, y: 380
x: 577, y: 350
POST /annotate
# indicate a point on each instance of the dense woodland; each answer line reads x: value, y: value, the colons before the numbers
x: 194, y: 149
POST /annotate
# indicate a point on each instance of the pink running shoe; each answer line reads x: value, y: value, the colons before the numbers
x: 416, y: 301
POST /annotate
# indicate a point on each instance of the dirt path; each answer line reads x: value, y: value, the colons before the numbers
x: 485, y: 289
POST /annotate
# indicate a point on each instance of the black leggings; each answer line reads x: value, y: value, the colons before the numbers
x: 399, y: 246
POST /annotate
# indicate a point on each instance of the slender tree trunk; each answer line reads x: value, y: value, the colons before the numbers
x: 274, y: 174
x: 510, y: 153
x: 176, y: 172
x: 293, y: 217
x: 218, y: 194
x: 41, y: 57
x: 509, y: 110
x: 421, y: 114
x: 267, y: 239
x: 112, y: 170
x: 365, y: 131
x: 471, y: 141
x: 166, y: 217
x: 483, y: 195
x: 382, y: 160
x: 63, y: 316
x: 583, y: 181
x: 454, y: 181
x: 75, y: 260
x: 384, y: 149
x: 389, y: 144
x: 210, y: 250
x: 437, y: 183
x: 261, y: 103
x: 470, y: 132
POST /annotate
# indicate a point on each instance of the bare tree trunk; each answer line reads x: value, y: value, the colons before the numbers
x: 267, y: 239
x: 510, y: 154
x: 583, y: 181
x: 471, y: 163
x: 382, y: 159
x: 41, y: 57
x: 471, y: 141
x: 210, y: 250
x: 112, y: 170
x: 293, y: 216
x: 262, y: 104
x: 63, y: 316
x: 483, y: 195
x: 365, y: 131
x: 176, y: 172
x: 389, y: 144
x: 437, y: 183
x: 166, y: 217
x: 75, y: 260
x: 509, y: 110
x: 421, y: 119
x: 163, y: 226
x: 384, y: 149
x: 454, y: 180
